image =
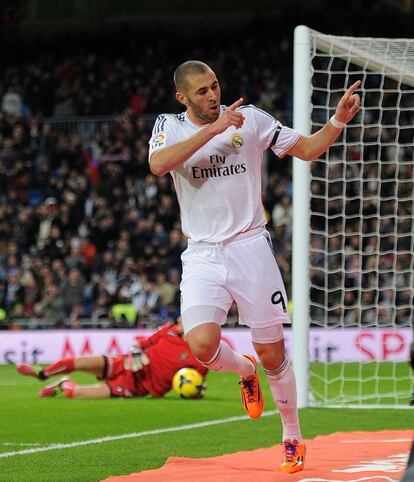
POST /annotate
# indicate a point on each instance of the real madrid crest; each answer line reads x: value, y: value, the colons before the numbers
x: 237, y: 140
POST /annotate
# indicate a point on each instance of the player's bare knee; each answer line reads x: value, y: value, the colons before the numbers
x: 269, y: 362
x: 204, y: 340
x: 271, y: 358
x: 202, y: 349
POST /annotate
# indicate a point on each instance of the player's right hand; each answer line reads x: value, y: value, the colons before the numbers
x: 230, y: 117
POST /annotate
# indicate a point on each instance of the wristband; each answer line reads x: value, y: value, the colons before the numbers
x: 336, y: 123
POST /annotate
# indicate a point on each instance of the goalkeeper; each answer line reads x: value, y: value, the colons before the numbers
x: 148, y: 368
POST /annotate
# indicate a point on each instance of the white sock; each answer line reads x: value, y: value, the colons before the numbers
x: 227, y: 360
x: 283, y: 387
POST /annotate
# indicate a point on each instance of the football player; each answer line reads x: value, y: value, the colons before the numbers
x: 148, y: 368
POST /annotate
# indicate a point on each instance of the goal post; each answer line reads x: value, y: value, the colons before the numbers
x: 353, y: 223
x: 300, y: 205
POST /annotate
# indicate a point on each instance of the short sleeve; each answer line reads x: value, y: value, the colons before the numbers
x: 271, y: 133
x: 286, y: 138
x: 163, y: 134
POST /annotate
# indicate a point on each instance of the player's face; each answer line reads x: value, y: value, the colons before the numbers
x: 203, y: 97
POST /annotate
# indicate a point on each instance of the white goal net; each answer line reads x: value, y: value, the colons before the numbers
x: 360, y: 240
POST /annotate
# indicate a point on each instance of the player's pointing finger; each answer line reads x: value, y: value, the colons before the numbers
x: 348, y: 93
x: 236, y: 104
x: 352, y: 88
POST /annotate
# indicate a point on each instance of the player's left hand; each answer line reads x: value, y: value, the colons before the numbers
x: 349, y: 104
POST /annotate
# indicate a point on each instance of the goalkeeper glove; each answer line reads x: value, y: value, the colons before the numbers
x: 136, y: 359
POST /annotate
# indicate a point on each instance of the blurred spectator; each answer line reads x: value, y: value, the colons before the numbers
x: 48, y: 215
x: 50, y: 307
x: 14, y: 294
x: 282, y: 214
x: 166, y: 290
x: 12, y: 102
x: 72, y: 291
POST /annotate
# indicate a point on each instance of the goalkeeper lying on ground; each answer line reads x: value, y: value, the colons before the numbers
x: 147, y: 369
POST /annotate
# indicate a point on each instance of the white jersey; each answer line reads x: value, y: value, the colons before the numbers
x: 219, y: 187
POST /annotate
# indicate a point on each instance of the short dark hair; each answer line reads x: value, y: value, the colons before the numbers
x: 191, y: 67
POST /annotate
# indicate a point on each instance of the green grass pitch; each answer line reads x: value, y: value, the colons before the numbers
x: 28, y: 422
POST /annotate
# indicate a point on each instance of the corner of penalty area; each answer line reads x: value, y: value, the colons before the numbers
x: 338, y: 457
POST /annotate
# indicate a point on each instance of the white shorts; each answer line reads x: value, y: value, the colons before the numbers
x: 242, y: 269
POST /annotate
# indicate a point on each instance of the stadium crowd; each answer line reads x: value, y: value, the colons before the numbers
x: 87, y: 233
x: 88, y: 237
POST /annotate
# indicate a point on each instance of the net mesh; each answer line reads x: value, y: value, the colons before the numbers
x: 362, y: 208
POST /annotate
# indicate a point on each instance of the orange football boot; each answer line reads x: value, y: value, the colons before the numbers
x: 293, y: 456
x: 251, y: 395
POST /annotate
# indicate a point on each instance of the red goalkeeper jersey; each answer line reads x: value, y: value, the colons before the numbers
x: 168, y: 352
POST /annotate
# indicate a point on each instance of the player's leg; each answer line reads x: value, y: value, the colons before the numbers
x: 204, y: 307
x: 89, y: 364
x: 280, y: 376
x: 64, y: 365
x: 99, y: 390
x: 269, y: 345
x: 72, y: 390
x: 205, y: 342
x: 261, y: 298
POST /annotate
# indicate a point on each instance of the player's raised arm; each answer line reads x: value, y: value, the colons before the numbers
x: 309, y: 148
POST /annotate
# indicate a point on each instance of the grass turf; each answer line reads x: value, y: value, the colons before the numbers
x: 373, y: 383
x: 27, y: 419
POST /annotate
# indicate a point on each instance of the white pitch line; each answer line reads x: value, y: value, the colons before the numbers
x: 111, y: 438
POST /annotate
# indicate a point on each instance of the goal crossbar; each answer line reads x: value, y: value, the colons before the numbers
x: 396, y: 62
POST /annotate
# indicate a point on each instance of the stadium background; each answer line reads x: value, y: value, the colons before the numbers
x: 88, y: 237
x: 85, y: 228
